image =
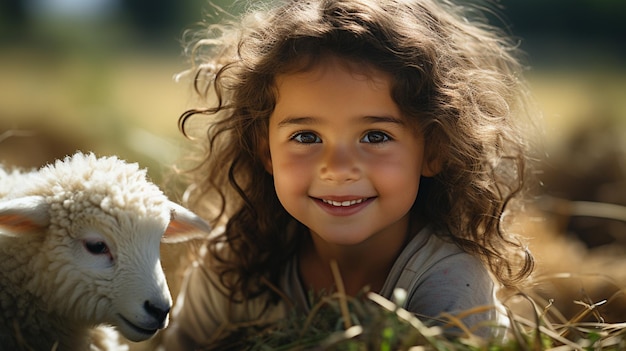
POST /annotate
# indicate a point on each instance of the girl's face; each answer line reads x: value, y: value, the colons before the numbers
x: 345, y: 161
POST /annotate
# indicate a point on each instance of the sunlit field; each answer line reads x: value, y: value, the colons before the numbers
x: 126, y: 106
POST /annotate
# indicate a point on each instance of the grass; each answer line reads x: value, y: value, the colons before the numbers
x: 370, y: 322
x: 378, y: 324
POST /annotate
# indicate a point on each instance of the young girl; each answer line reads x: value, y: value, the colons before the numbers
x: 380, y: 135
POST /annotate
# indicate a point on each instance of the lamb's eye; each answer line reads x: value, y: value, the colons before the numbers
x: 97, y: 247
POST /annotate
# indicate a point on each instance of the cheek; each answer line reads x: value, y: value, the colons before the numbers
x: 398, y: 177
x: 291, y: 177
x: 403, y: 183
x: 399, y: 195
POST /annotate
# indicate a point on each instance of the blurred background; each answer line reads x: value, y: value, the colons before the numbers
x: 97, y: 75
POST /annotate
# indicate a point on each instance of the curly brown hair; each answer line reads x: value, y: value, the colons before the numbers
x: 454, y: 75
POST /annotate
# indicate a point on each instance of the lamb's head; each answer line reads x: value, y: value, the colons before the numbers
x: 99, y: 225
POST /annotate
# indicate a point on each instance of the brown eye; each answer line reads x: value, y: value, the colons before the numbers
x: 375, y: 137
x: 306, y: 138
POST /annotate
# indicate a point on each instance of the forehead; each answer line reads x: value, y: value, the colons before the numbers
x: 334, y: 87
x: 334, y: 82
x: 316, y: 66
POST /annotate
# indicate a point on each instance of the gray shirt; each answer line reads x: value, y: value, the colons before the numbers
x: 437, y: 276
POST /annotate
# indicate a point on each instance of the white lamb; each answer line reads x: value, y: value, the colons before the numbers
x: 79, y: 247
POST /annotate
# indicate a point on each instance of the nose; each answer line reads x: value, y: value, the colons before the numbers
x: 158, y: 312
x: 340, y: 164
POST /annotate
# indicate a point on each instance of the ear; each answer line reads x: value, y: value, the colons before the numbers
x: 433, y: 160
x: 184, y: 225
x: 23, y: 215
x: 265, y: 155
x: 431, y: 167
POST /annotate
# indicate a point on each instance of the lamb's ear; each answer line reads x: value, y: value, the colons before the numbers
x: 184, y: 225
x: 23, y: 215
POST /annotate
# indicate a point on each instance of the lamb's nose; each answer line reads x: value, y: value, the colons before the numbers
x: 158, y: 312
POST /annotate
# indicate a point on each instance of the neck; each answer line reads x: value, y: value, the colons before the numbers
x: 366, y: 264
x: 46, y: 334
x: 28, y: 322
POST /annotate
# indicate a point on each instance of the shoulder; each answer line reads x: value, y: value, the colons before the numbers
x: 423, y: 255
x: 440, y: 277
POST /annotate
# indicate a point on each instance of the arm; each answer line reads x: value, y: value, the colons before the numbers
x: 203, y: 310
x: 198, y: 312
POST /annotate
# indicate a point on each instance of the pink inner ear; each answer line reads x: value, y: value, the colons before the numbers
x: 18, y: 223
x: 178, y: 227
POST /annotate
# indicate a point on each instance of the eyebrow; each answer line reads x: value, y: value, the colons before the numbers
x: 312, y: 121
x: 384, y: 119
x: 297, y: 121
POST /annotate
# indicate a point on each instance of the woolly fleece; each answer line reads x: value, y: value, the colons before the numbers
x: 51, y: 288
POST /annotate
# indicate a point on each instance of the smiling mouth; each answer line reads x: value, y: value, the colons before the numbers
x: 346, y: 203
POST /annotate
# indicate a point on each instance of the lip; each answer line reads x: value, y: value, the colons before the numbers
x: 137, y: 328
x: 344, y: 205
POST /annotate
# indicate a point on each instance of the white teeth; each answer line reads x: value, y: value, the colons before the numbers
x: 343, y: 203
